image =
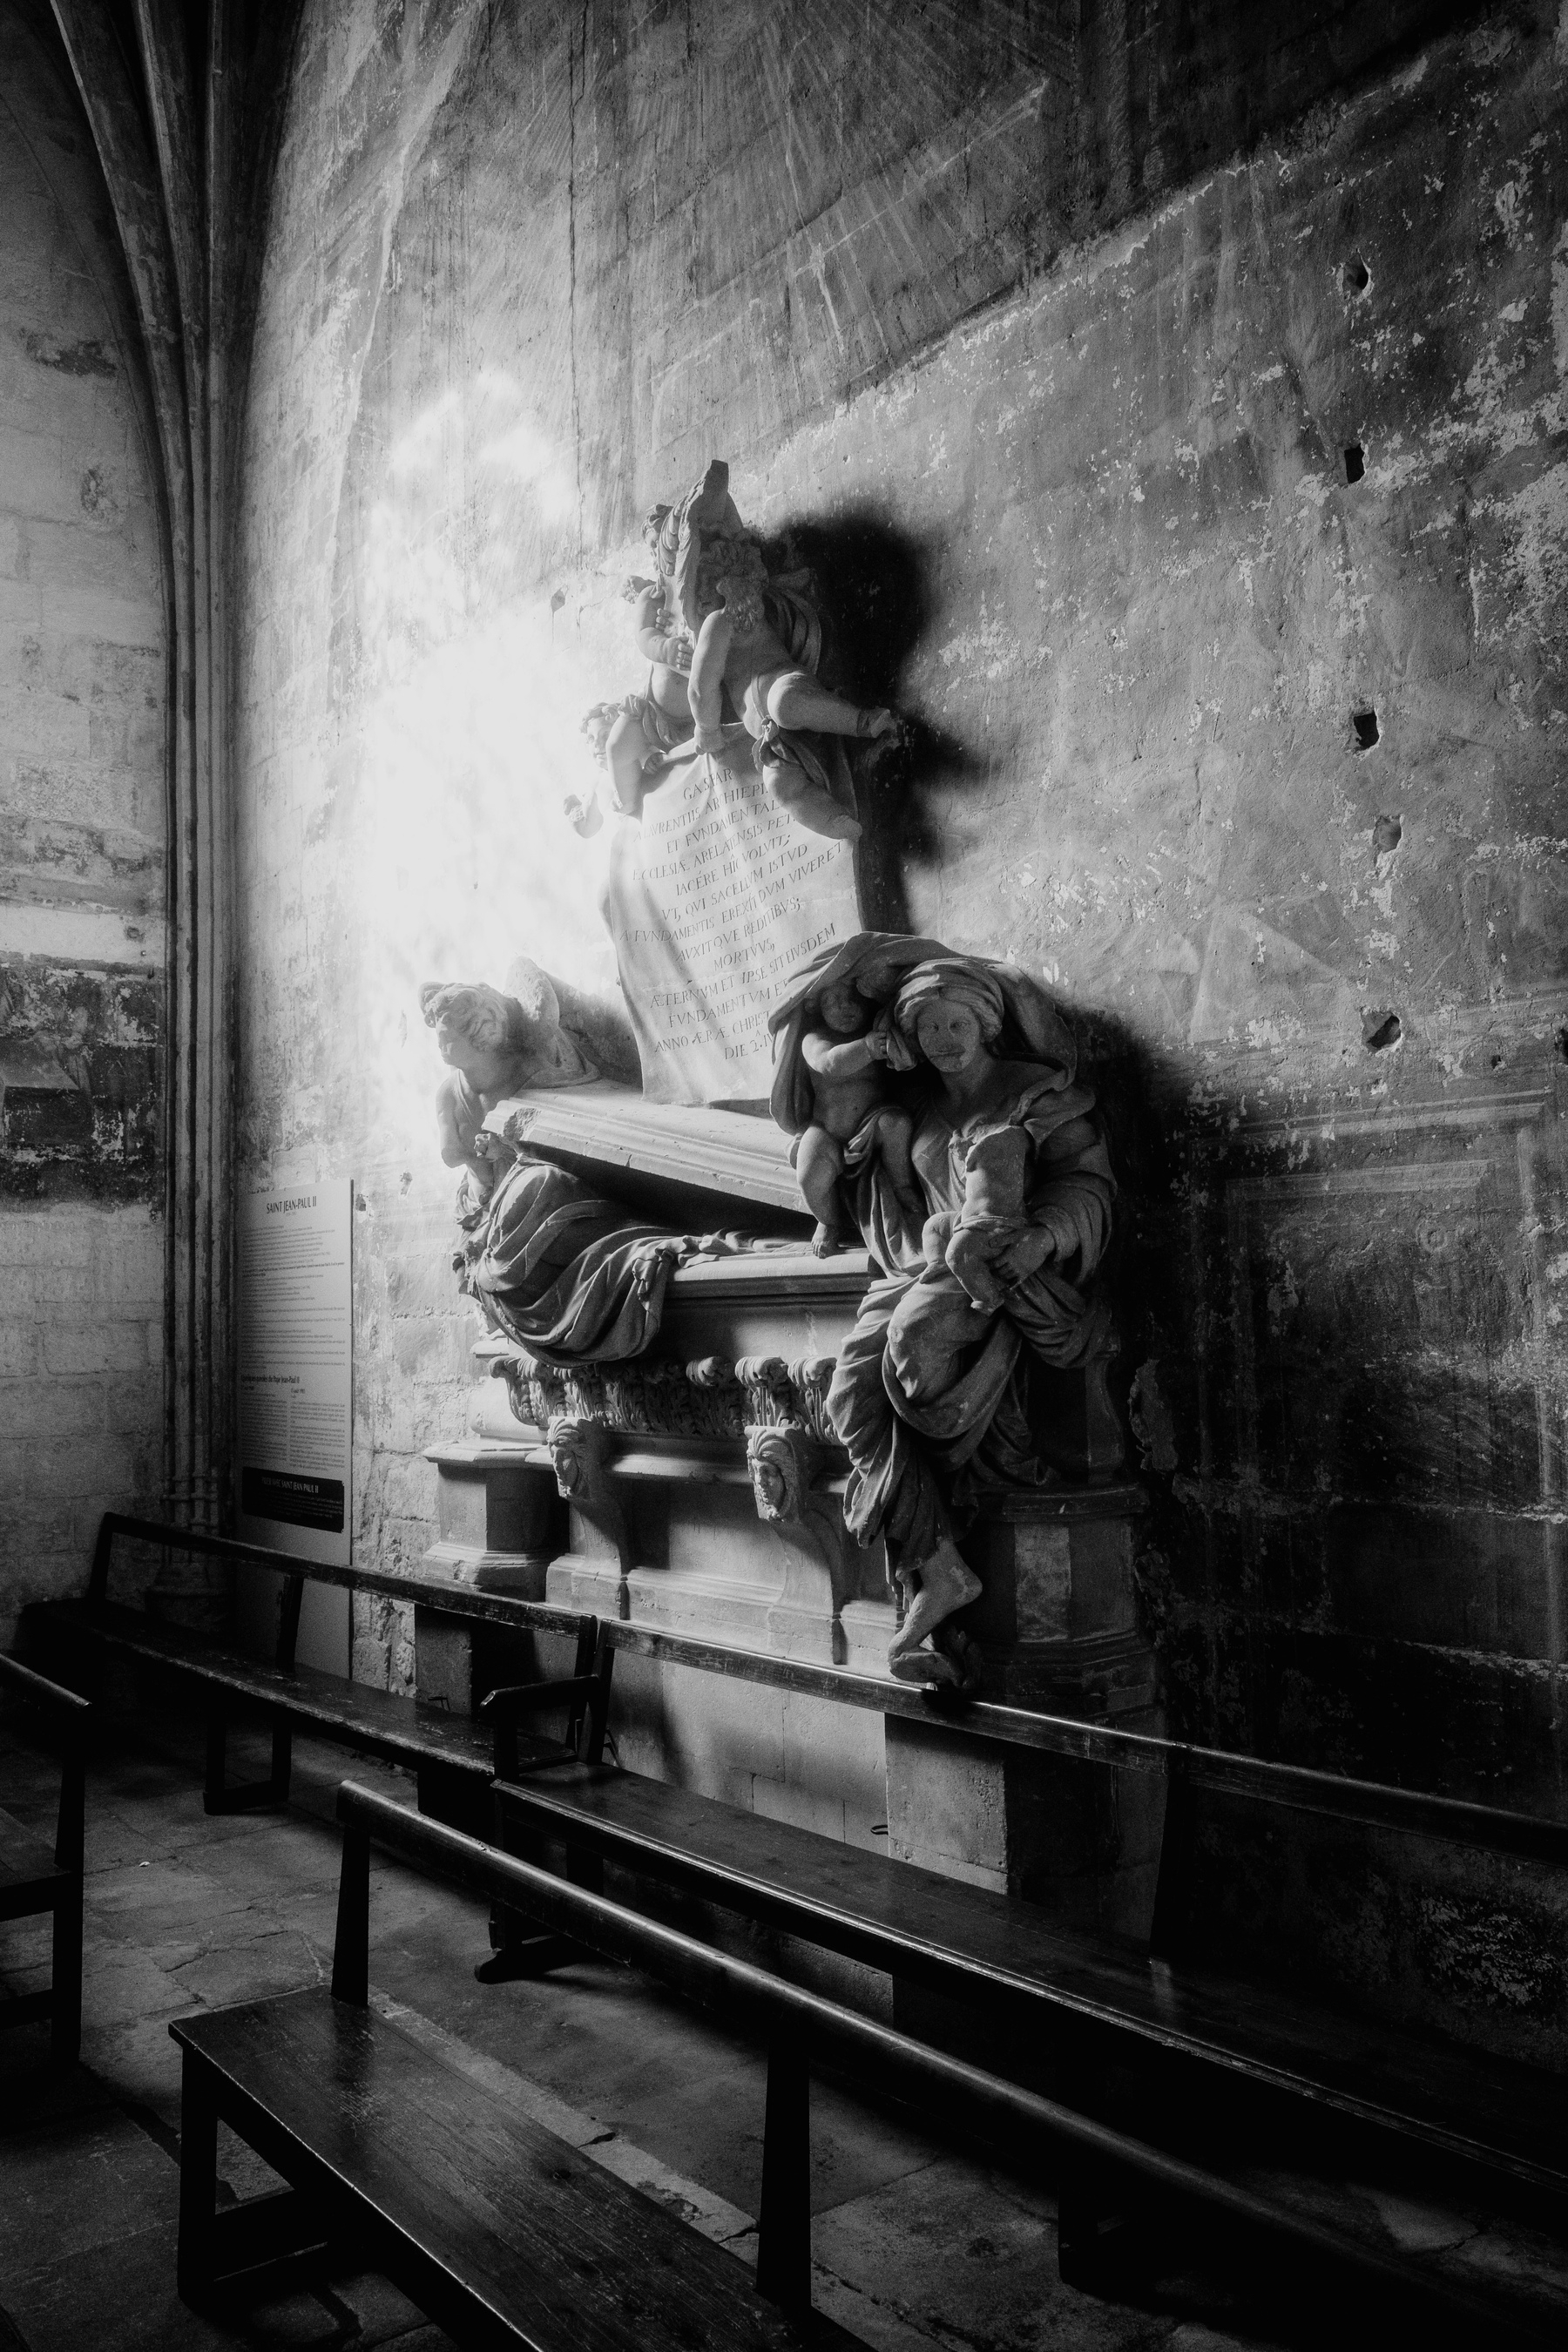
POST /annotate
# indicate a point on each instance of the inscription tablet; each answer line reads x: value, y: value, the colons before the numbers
x: 713, y: 897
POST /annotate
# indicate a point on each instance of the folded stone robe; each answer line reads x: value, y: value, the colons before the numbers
x: 927, y: 1385
x: 567, y: 1274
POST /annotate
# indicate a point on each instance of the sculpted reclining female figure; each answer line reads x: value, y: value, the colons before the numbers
x: 1010, y: 1161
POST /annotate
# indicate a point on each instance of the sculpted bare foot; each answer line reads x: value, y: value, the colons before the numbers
x: 930, y: 1668
x: 869, y: 723
x: 823, y: 1242
x: 811, y: 807
x: 947, y: 1582
x: 952, y: 1663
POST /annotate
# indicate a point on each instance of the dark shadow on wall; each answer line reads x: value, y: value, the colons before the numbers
x: 1137, y: 1089
x: 874, y: 586
x: 1344, y: 1561
x: 1327, y: 1383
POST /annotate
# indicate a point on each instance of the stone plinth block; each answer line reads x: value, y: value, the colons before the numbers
x: 1057, y: 1626
x: 1081, y: 1839
x: 500, y: 1520
x: 1057, y: 1621
x: 501, y: 1523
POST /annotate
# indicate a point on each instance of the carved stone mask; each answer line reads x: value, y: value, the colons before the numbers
x: 772, y: 1485
x: 774, y: 1474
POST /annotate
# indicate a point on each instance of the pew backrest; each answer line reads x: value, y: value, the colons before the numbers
x: 798, y: 2025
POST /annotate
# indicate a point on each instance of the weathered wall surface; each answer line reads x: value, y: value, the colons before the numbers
x: 82, y: 703
x: 1149, y: 526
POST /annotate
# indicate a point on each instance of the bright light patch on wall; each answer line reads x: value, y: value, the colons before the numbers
x: 471, y: 690
x: 524, y: 454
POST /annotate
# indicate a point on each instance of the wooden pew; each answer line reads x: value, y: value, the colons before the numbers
x: 33, y: 1879
x: 442, y: 1747
x: 1093, y: 2000
x: 506, y: 2236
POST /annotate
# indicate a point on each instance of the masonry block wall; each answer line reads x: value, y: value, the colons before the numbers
x: 82, y: 713
x: 1172, y: 404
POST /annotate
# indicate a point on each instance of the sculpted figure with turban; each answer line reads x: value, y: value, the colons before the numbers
x: 987, y: 1259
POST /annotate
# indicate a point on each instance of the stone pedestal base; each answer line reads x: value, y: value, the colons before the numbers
x: 1058, y: 1625
x: 1057, y: 1621
x: 500, y: 1523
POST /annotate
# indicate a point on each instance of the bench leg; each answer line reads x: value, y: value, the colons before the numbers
x: 282, y: 1762
x: 198, y: 2181
x: 65, y: 2000
x: 1097, y: 2245
x: 217, y: 1797
x: 522, y: 1950
x: 261, y: 2246
x: 783, y: 2225
x: 351, y: 1946
x: 1100, y: 2244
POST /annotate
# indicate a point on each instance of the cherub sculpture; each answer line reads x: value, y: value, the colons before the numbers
x: 495, y: 1042
x: 830, y: 1086
x: 845, y: 1055
x: 972, y: 1241
x: 732, y: 653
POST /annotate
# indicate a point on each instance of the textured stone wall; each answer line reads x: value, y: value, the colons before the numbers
x: 1176, y: 419
x: 82, y: 704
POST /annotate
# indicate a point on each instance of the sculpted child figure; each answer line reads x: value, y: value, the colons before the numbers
x: 847, y: 1057
x: 631, y: 738
x: 478, y: 1032
x: 745, y: 649
x: 971, y: 1242
x: 495, y: 1041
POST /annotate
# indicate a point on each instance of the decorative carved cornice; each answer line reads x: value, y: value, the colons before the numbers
x: 709, y: 1398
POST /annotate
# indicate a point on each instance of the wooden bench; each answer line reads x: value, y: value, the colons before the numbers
x: 507, y: 2236
x: 499, y: 2230
x: 1091, y: 2000
x: 445, y: 1748
x: 34, y: 1879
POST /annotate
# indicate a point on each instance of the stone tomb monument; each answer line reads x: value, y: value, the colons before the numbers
x: 880, y: 1442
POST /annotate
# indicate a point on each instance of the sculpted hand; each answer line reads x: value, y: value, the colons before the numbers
x: 1026, y: 1256
x: 584, y: 813
x: 634, y: 586
x: 662, y: 1254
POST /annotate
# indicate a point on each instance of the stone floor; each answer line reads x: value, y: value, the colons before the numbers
x: 916, y: 2246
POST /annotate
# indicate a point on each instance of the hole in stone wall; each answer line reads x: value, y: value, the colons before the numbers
x: 1365, y: 725
x: 1386, y: 835
x: 1355, y: 464
x: 1356, y: 277
x: 1379, y: 1029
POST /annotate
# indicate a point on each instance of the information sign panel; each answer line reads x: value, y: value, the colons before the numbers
x: 296, y: 1369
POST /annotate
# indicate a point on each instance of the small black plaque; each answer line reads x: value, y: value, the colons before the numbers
x: 294, y: 1501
